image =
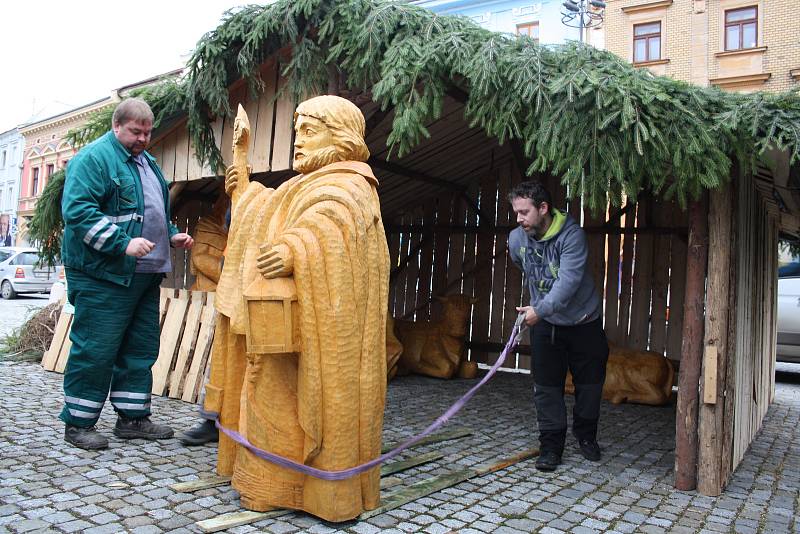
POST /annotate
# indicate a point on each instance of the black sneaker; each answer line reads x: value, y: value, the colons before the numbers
x: 141, y: 428
x: 548, y: 461
x: 201, y: 433
x: 85, y: 438
x: 590, y: 449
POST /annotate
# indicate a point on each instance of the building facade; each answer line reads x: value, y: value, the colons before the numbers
x: 739, y: 45
x: 541, y: 20
x: 12, y: 145
x: 47, y: 151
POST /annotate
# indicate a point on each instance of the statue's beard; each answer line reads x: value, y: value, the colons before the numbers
x: 317, y: 160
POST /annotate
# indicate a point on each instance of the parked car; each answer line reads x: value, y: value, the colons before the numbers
x: 788, y: 346
x: 20, y: 274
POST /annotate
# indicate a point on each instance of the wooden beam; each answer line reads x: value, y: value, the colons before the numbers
x: 438, y: 483
x: 413, y: 175
x: 710, y: 479
x: 472, y: 229
x: 691, y: 348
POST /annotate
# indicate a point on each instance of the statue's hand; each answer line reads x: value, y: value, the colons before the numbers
x: 232, y: 178
x: 276, y: 261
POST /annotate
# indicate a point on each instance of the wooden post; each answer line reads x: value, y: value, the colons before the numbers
x: 710, y: 477
x: 691, y: 348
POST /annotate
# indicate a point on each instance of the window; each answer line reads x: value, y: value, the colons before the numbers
x: 3, y: 159
x: 741, y: 28
x: 647, y: 42
x: 531, y: 30
x: 34, y: 180
x: 50, y: 169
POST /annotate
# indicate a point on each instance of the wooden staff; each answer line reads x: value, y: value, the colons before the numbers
x: 241, y: 141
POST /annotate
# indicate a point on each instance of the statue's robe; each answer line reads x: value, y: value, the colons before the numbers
x: 323, y: 406
x: 210, y: 238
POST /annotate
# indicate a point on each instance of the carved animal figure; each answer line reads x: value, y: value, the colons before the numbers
x: 435, y: 348
x: 636, y: 376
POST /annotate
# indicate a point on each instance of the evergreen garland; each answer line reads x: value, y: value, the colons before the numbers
x: 609, y: 130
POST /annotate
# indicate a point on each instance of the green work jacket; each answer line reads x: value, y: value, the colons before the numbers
x: 103, y: 208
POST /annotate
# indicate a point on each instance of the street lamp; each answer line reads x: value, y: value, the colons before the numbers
x: 582, y: 14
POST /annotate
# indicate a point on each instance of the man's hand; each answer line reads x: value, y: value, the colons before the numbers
x: 182, y: 240
x: 139, y: 247
x: 276, y: 261
x: 531, y: 317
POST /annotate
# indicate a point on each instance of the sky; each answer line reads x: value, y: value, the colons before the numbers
x: 56, y: 55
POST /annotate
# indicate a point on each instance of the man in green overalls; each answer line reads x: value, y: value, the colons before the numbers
x: 117, y: 235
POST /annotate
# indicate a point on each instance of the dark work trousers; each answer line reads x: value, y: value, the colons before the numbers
x: 583, y: 349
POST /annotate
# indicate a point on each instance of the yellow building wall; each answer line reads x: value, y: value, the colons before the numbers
x: 693, y: 48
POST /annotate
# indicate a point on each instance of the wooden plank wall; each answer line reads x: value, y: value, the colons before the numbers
x: 755, y: 330
x: 271, y: 133
x: 641, y: 275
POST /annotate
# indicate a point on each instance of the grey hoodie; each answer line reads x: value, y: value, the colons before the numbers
x: 561, y: 287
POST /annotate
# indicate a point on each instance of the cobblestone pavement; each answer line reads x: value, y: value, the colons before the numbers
x: 46, y: 485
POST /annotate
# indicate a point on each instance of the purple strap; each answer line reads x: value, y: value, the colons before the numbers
x: 347, y: 473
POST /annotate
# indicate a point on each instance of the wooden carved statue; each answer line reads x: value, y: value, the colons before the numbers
x: 305, y: 285
x: 636, y: 376
x: 437, y: 348
x: 211, y: 237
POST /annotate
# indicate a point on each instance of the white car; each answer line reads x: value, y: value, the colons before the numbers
x: 20, y: 274
x: 788, y: 348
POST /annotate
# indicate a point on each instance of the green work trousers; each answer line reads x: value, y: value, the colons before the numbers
x: 115, y: 340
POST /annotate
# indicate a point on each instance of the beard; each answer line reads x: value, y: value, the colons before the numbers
x: 317, y: 160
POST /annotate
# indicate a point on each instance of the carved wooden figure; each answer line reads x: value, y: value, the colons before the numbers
x: 437, y: 348
x: 636, y: 376
x: 210, y: 238
x: 305, y: 281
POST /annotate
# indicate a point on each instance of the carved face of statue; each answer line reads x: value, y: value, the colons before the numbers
x: 313, y: 145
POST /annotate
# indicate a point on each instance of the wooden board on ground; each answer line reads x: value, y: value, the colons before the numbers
x: 63, y: 355
x: 201, y: 353
x: 436, y: 438
x: 170, y: 334
x: 187, y: 344
x: 61, y: 333
x: 424, y: 488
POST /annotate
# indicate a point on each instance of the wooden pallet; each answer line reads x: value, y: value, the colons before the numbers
x: 187, y: 320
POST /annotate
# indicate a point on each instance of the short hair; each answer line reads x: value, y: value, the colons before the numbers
x: 132, y: 109
x: 345, y: 121
x: 534, y: 191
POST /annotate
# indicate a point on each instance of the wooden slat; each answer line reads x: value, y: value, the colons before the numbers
x: 201, y: 353
x: 261, y: 143
x: 677, y: 287
x: 188, y: 343
x: 181, y: 155
x: 661, y: 261
x: 441, y: 243
x: 425, y: 274
x: 455, y: 264
x: 194, y: 170
x: 170, y: 334
x: 483, y: 258
x: 50, y: 357
x: 625, y: 285
x: 284, y: 131
x: 499, y: 290
x: 63, y: 356
x: 612, y: 289
x: 412, y: 268
x: 642, y: 282
x: 168, y: 158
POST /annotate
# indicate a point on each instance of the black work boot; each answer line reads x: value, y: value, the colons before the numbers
x: 589, y: 449
x: 200, y: 434
x: 141, y: 427
x: 85, y: 438
x: 548, y: 461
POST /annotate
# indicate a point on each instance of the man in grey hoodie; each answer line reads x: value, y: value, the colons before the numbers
x: 565, y: 319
